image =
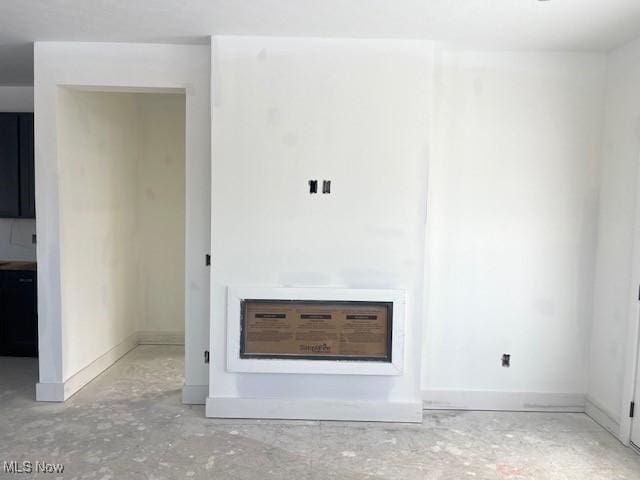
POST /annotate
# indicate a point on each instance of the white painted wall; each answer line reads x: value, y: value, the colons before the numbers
x: 160, y: 212
x: 512, y: 218
x: 513, y: 146
x: 617, y: 270
x: 128, y: 67
x: 15, y: 234
x: 513, y: 191
x: 97, y: 152
x: 122, y: 219
x: 288, y: 110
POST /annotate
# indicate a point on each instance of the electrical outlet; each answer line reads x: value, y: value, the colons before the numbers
x: 506, y: 360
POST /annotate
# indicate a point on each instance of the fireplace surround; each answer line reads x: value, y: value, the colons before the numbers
x: 363, y: 373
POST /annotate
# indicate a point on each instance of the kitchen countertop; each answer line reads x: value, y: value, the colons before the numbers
x: 18, y: 265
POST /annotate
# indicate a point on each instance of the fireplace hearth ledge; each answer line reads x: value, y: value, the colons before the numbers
x: 311, y: 409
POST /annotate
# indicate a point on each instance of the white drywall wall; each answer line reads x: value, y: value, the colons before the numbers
x: 616, y: 287
x: 513, y: 191
x: 160, y: 212
x: 512, y: 195
x: 15, y: 234
x: 128, y: 67
x: 97, y: 154
x: 122, y: 219
x: 288, y: 110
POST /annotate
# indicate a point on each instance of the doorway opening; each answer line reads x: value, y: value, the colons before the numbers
x: 122, y: 225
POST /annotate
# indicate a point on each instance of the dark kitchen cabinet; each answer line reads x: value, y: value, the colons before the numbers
x: 27, y: 167
x: 9, y: 165
x: 17, y: 176
x: 18, y: 313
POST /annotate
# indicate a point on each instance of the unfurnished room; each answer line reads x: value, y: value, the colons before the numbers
x: 350, y: 239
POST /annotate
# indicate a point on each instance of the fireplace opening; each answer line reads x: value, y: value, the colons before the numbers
x: 316, y: 330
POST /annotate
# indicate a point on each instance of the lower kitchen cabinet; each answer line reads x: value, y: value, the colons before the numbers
x: 18, y: 313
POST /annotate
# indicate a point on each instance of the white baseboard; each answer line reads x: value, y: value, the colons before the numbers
x: 510, y: 401
x: 273, y: 408
x: 195, y: 394
x: 150, y: 337
x: 61, y: 391
x: 50, y: 392
x: 602, y: 416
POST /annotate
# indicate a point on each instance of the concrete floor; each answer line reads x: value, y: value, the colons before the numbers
x: 129, y: 423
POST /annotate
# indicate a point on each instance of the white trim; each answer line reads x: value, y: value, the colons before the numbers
x: 502, y: 401
x: 274, y: 408
x: 150, y: 337
x: 195, y: 394
x: 631, y: 373
x: 603, y: 417
x: 61, y: 391
x: 50, y: 392
x: 83, y: 87
x: 235, y: 295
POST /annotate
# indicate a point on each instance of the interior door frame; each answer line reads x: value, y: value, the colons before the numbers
x: 632, y: 351
x: 164, y: 88
x: 124, y: 66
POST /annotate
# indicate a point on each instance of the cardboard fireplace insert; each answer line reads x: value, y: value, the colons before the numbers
x: 316, y: 330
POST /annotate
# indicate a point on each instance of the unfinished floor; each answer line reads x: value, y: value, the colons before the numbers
x: 129, y: 423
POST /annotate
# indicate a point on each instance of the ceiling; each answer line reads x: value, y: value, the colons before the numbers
x: 586, y: 25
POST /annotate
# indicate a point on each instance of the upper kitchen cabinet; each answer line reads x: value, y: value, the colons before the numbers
x: 9, y: 165
x: 17, y: 186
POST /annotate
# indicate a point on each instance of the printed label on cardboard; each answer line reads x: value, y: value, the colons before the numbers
x: 315, y: 329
